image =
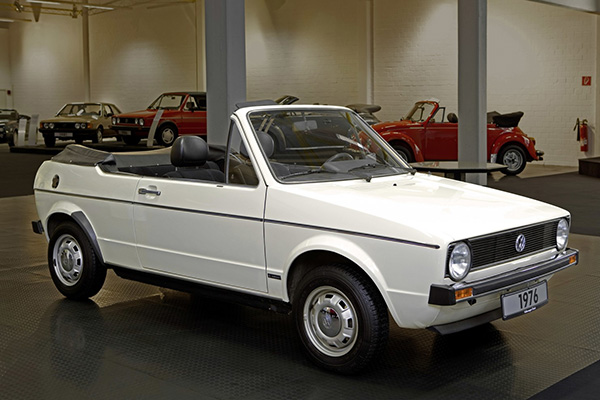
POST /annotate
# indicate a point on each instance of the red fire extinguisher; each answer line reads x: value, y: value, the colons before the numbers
x: 582, y: 134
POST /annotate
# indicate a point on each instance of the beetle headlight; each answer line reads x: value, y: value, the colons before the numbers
x: 562, y: 234
x: 459, y: 261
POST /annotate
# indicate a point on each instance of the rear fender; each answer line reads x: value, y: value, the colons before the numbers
x: 513, y: 138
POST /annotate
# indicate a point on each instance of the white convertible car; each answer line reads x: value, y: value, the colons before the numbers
x: 306, y: 211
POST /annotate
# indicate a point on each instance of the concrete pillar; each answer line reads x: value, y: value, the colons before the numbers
x: 472, y: 76
x: 225, y: 64
x: 87, y: 87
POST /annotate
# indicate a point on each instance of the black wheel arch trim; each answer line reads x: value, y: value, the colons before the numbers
x: 81, y: 220
x: 444, y: 295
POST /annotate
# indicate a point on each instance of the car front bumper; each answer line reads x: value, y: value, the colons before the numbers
x: 449, y: 295
x: 131, y: 130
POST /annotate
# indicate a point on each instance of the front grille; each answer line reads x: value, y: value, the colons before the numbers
x: 127, y: 120
x: 64, y: 125
x: 500, y: 247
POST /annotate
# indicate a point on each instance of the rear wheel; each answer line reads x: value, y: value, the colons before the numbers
x: 403, y: 151
x: 75, y: 269
x: 341, y: 319
x: 514, y: 158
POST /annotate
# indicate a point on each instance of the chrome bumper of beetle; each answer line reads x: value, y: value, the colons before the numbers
x: 449, y: 295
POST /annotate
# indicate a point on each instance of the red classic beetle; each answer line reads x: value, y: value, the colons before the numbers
x: 184, y: 114
x: 423, y: 135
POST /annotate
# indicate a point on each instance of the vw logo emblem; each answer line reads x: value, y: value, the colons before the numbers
x: 520, y: 243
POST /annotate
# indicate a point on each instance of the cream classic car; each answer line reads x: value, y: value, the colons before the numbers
x: 79, y: 122
x: 337, y: 230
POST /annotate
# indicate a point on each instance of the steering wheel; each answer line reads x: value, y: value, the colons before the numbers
x: 339, y: 156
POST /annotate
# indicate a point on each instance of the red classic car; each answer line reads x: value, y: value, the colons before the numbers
x: 423, y: 135
x: 184, y: 113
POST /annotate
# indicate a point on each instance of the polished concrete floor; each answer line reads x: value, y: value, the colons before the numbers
x: 138, y: 341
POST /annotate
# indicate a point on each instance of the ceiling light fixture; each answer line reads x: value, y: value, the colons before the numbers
x: 98, y: 7
x: 18, y: 6
x: 52, y: 3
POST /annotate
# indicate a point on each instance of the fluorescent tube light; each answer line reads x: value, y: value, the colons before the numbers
x: 52, y: 3
x: 98, y: 7
x: 6, y: 20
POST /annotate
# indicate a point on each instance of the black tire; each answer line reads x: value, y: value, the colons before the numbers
x: 11, y: 139
x: 78, y: 140
x: 166, y: 135
x: 98, y: 138
x: 49, y: 140
x: 513, y: 156
x: 74, y: 266
x: 403, y: 151
x: 341, y: 319
x: 130, y: 140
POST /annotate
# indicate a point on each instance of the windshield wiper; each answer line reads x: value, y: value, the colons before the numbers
x: 307, y: 172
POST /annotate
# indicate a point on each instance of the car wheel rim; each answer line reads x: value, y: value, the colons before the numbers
x: 168, y: 135
x: 513, y: 160
x: 99, y: 135
x: 67, y: 260
x: 330, y: 321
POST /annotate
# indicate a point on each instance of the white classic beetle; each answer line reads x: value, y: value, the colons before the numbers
x: 306, y: 210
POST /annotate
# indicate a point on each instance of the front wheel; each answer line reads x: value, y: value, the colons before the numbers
x: 403, y: 151
x: 341, y: 319
x: 75, y: 269
x: 514, y: 158
x: 166, y: 135
x: 130, y: 140
x: 99, y: 135
x: 49, y: 140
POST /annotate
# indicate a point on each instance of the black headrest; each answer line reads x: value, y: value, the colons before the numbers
x: 266, y: 142
x: 189, y: 151
x: 452, y: 118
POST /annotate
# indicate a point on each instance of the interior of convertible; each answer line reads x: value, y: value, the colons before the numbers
x: 299, y: 145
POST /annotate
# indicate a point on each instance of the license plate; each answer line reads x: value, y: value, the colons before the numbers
x: 125, y: 133
x: 524, y: 301
x: 63, y: 134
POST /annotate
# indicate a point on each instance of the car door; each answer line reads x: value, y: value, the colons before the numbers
x: 441, y: 138
x: 193, y: 115
x: 207, y: 231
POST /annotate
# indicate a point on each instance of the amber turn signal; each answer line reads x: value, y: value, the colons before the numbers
x: 463, y: 293
x: 573, y: 259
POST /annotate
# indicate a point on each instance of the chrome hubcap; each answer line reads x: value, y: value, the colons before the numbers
x: 67, y: 260
x: 168, y: 135
x: 330, y: 321
x: 512, y: 160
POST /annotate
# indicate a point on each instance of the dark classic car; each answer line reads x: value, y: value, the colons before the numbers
x: 9, y: 124
x: 184, y: 113
x: 79, y: 122
x: 423, y: 135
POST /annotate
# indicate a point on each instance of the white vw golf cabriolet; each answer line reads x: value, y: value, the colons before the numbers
x: 305, y: 211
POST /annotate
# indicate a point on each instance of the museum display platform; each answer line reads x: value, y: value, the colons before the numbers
x: 590, y: 166
x: 138, y: 341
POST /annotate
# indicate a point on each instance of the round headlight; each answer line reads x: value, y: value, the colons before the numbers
x: 51, y: 125
x: 45, y: 125
x: 562, y: 234
x: 141, y: 121
x: 77, y: 125
x: 459, y: 262
x: 114, y: 121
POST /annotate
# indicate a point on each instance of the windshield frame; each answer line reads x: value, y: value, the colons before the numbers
x: 416, y: 106
x: 397, y: 163
x: 70, y: 115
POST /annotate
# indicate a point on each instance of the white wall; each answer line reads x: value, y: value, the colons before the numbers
x: 304, y: 48
x: 537, y: 55
x: 46, y: 64
x: 315, y: 50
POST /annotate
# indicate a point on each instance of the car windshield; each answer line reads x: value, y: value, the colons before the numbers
x: 323, y: 145
x: 420, y: 112
x: 8, y: 114
x: 167, y: 102
x: 72, y: 110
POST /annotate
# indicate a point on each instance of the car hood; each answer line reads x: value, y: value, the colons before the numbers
x: 422, y: 208
x: 71, y: 119
x: 138, y: 114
